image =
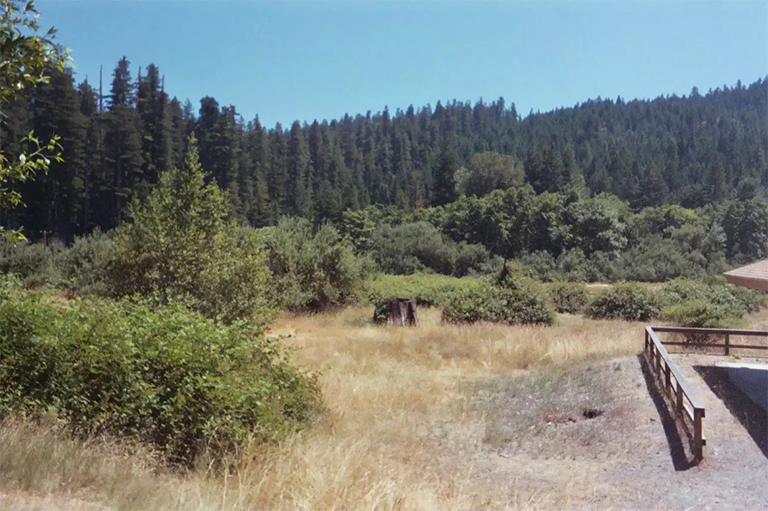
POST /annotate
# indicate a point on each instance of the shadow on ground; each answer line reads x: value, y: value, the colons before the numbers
x: 749, y: 414
x: 680, y: 458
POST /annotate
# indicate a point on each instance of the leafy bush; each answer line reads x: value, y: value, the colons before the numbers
x: 630, y: 301
x: 34, y: 263
x: 85, y: 264
x: 420, y: 247
x: 570, y: 297
x: 181, y: 247
x: 701, y: 304
x: 166, y: 376
x: 498, y: 305
x: 427, y: 289
x: 310, y: 270
x: 699, y: 313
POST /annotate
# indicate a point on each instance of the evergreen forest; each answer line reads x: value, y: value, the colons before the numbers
x: 559, y: 188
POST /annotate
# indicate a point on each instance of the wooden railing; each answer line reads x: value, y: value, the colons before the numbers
x: 723, y: 332
x: 687, y: 407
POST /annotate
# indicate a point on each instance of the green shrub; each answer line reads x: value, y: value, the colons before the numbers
x: 630, y: 301
x: 380, y: 311
x: 711, y: 304
x: 420, y: 247
x: 569, y: 297
x: 85, y: 264
x: 182, y: 247
x: 427, y: 289
x: 699, y: 313
x: 33, y: 263
x: 498, y: 305
x: 312, y: 270
x: 165, y: 376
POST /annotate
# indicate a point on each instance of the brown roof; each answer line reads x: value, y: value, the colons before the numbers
x: 753, y: 275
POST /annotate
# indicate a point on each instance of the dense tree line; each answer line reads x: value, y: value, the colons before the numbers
x: 692, y: 150
x: 568, y: 236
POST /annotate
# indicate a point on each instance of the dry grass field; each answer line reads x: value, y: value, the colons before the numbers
x: 416, y: 418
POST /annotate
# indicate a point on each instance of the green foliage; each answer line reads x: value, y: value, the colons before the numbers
x: 85, y: 264
x: 312, y: 270
x: 358, y: 228
x: 444, y: 177
x: 165, y: 375
x: 380, y: 311
x: 746, y: 228
x: 420, y: 247
x: 629, y: 301
x: 181, y: 247
x: 26, y: 59
x: 492, y: 171
x: 569, y: 297
x: 498, y: 305
x: 33, y: 263
x: 426, y: 289
x: 700, y: 304
x: 699, y: 313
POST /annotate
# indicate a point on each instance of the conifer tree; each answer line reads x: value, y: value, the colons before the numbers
x: 444, y: 184
x: 299, y: 173
x: 55, y: 199
x: 123, y: 155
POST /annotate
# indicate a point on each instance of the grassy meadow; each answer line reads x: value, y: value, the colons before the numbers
x: 400, y: 430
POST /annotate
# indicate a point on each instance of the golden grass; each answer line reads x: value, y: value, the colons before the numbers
x: 400, y: 432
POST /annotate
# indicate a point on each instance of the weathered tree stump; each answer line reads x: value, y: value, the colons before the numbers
x: 400, y: 312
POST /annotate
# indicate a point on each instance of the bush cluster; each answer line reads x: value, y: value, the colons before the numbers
x: 84, y: 265
x: 497, y: 304
x: 419, y: 247
x: 699, y: 304
x: 312, y: 270
x: 163, y: 375
x: 629, y: 301
x: 35, y: 264
x: 569, y: 297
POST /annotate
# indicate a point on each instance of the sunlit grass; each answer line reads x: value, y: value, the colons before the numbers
x: 398, y: 427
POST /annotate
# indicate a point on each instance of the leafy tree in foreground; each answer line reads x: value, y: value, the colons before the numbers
x: 25, y: 57
x: 182, y: 247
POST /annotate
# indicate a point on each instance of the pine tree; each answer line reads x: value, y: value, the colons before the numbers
x: 299, y: 173
x: 444, y: 182
x: 92, y: 154
x: 55, y: 199
x: 152, y: 107
x: 123, y: 156
x: 276, y: 178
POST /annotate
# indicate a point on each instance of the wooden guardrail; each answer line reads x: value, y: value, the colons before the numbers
x: 724, y: 332
x: 686, y: 404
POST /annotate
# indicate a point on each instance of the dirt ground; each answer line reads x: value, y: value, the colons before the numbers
x: 632, y: 455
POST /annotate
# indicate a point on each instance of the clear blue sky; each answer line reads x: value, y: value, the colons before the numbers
x: 305, y: 60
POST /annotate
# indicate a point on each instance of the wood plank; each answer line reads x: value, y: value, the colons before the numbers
x: 687, y: 391
x: 721, y: 331
x: 715, y: 345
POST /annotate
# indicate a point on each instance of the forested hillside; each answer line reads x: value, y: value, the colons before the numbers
x: 691, y: 150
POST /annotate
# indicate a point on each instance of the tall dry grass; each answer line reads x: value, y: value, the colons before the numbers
x: 400, y: 432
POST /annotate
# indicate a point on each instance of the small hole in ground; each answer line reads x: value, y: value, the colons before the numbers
x: 591, y: 413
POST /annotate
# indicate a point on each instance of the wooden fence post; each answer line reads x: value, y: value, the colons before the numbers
x: 727, y: 344
x: 698, y: 434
